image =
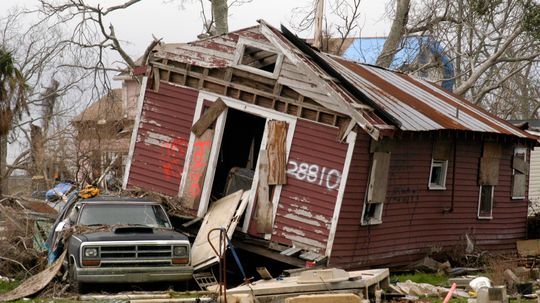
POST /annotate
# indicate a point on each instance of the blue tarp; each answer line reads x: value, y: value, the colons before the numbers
x: 366, y: 50
x: 61, y: 188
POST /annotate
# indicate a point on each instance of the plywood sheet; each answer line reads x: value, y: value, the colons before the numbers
x: 528, y: 247
x: 378, y: 180
x: 489, y: 171
x: 223, y: 213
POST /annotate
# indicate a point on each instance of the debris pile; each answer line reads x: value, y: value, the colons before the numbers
x: 24, y: 224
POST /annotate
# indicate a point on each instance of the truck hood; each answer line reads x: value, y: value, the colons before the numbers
x: 132, y: 234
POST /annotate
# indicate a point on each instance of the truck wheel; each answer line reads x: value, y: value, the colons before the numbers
x: 76, y: 286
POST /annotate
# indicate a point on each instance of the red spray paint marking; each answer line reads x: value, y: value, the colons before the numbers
x: 197, y: 168
x: 172, y: 156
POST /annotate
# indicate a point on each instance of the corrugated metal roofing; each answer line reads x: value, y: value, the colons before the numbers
x: 418, y: 104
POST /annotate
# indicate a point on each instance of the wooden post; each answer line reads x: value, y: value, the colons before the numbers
x: 264, y: 207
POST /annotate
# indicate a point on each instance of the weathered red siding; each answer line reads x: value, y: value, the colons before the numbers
x: 162, y: 139
x: 307, y: 202
x: 415, y: 219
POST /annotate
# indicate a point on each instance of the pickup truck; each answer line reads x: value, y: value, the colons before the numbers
x: 123, y: 240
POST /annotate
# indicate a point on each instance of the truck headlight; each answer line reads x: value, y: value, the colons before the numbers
x: 180, y: 251
x: 91, y: 252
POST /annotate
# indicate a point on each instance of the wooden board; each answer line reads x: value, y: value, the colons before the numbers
x: 196, y: 173
x: 528, y: 247
x: 442, y: 149
x: 277, y: 155
x: 489, y: 171
x: 519, y: 185
x: 264, y: 207
x: 520, y: 165
x: 208, y: 117
x: 223, y: 213
x: 378, y: 180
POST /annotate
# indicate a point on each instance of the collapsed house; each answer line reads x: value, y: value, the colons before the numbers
x: 345, y: 163
x: 104, y: 128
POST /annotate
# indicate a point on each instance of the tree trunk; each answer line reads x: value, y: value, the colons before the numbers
x: 396, y: 32
x: 220, y: 13
x: 3, y: 164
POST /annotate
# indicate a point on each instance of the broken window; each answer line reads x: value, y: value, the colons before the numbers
x: 519, y: 173
x: 258, y: 59
x: 378, y: 183
x: 485, y: 202
x: 437, y: 177
x: 442, y: 149
x: 488, y: 178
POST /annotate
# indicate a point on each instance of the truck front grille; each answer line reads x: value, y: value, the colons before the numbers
x: 136, y: 252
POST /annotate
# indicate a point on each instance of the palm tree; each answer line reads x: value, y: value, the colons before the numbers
x: 12, y: 105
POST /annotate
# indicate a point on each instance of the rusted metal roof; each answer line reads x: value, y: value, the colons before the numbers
x: 418, y: 104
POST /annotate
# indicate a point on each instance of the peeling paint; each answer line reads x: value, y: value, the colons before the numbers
x: 294, y: 231
x: 322, y: 219
x: 302, y: 219
x: 318, y: 231
x: 306, y: 241
x: 298, y: 199
x: 151, y: 122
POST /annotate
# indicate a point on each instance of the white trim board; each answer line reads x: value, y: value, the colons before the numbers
x: 351, y: 140
x: 135, y: 132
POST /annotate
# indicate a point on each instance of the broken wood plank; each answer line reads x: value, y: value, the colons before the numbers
x: 208, y: 117
x: 223, y: 213
x: 126, y: 296
x: 196, y: 173
x: 277, y: 154
x: 264, y: 207
x: 378, y: 179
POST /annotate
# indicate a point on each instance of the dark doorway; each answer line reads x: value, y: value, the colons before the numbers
x: 239, y: 151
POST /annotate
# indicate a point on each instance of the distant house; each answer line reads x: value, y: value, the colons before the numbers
x: 104, y: 130
x: 422, y: 56
x: 367, y: 166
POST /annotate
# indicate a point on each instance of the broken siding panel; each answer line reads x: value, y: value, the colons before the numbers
x: 308, y: 199
x: 162, y: 139
x: 424, y: 218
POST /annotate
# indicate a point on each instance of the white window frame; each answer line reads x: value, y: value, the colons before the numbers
x: 241, y: 46
x: 519, y: 150
x: 479, y: 202
x: 377, y: 218
x: 444, y: 167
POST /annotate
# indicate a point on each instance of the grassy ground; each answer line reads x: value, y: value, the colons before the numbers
x: 433, y: 279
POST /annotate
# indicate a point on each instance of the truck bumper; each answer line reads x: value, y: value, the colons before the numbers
x: 134, y: 274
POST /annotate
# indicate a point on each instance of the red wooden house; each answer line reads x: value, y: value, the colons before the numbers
x: 381, y: 167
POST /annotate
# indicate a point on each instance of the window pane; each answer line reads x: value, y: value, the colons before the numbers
x: 486, y: 201
x: 436, y: 174
x: 111, y: 214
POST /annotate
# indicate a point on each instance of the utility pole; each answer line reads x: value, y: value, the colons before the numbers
x: 319, y: 13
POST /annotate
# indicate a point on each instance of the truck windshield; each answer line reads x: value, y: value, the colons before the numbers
x: 129, y: 214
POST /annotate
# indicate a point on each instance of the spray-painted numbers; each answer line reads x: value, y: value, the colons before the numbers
x: 313, y: 173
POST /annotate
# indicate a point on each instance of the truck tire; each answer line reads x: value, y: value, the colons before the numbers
x: 76, y: 285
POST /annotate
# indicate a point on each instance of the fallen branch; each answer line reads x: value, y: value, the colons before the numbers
x: 18, y: 263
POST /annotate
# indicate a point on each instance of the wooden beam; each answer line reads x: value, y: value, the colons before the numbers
x: 277, y: 164
x: 264, y: 207
x: 208, y: 117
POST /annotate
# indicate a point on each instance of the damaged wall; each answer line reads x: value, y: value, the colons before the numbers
x: 305, y: 210
x: 162, y: 139
x: 411, y: 212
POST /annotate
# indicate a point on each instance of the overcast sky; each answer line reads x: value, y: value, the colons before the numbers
x: 180, y: 20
